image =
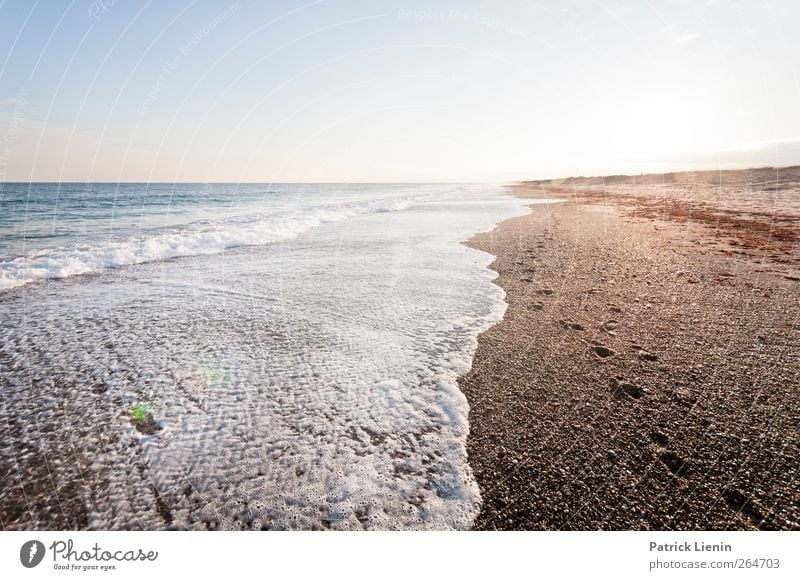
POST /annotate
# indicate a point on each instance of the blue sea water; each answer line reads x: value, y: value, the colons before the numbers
x: 295, y: 348
x: 60, y: 230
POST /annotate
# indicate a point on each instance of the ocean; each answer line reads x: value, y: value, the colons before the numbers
x: 216, y: 356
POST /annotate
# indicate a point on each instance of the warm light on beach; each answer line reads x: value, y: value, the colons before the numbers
x: 439, y: 268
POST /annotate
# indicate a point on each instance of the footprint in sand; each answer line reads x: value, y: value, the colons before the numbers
x: 614, y: 308
x: 659, y: 438
x: 643, y: 354
x: 674, y: 463
x: 609, y: 325
x: 745, y: 506
x: 544, y: 292
x: 571, y: 325
x: 602, y: 351
x: 621, y: 389
x: 537, y: 305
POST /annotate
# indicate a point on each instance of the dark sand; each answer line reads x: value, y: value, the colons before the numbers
x: 647, y: 372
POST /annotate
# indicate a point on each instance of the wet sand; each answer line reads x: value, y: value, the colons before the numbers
x: 647, y: 372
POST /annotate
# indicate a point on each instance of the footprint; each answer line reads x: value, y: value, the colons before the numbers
x: 602, y: 351
x: 614, y: 308
x: 544, y: 292
x: 643, y: 354
x: 609, y: 325
x: 659, y: 438
x: 744, y: 505
x: 537, y: 305
x: 674, y: 463
x: 571, y: 325
x: 620, y: 389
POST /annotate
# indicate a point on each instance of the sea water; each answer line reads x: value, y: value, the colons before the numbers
x: 241, y: 356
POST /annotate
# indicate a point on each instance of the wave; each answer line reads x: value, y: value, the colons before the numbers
x: 202, y: 238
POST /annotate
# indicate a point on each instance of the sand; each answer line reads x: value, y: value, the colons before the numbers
x: 647, y: 372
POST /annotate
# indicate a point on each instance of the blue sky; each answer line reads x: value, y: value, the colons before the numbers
x: 394, y: 91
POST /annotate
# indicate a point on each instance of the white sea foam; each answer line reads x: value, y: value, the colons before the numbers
x: 205, y: 238
x: 306, y: 386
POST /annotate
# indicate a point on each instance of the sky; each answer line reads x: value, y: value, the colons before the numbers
x: 379, y: 91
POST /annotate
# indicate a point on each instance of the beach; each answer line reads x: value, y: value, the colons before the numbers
x: 646, y: 372
x: 274, y: 357
x: 306, y: 358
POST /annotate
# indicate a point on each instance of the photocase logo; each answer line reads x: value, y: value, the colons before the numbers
x: 31, y: 553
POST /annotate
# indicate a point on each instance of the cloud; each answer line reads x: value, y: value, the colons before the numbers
x: 680, y: 35
x: 687, y: 36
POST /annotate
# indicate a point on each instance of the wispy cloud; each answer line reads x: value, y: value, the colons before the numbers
x: 687, y: 36
x: 680, y: 35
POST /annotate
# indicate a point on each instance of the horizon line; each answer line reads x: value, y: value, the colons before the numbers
x: 415, y: 182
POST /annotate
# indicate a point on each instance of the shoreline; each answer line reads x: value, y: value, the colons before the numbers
x: 644, y: 375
